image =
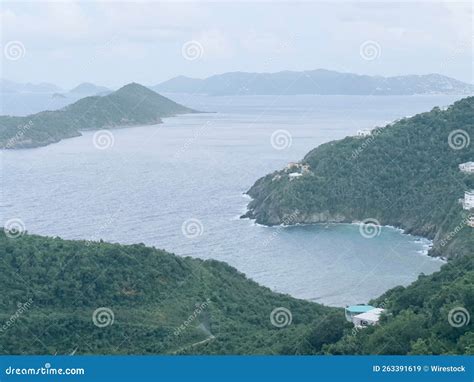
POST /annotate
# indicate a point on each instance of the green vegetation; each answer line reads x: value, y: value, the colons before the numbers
x: 431, y: 316
x: 151, y: 293
x: 131, y: 105
x: 165, y: 304
x: 405, y: 175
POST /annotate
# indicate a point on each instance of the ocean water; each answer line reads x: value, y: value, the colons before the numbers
x: 179, y: 186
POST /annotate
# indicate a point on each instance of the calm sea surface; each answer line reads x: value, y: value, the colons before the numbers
x: 188, y: 175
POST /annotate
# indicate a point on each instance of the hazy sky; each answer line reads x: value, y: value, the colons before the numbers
x: 112, y: 43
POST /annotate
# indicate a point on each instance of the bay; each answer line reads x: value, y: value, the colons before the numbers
x: 179, y: 186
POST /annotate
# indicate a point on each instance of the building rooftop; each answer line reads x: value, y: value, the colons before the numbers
x: 372, y: 315
x: 295, y: 175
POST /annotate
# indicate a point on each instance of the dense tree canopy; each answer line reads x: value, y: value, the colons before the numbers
x: 161, y: 303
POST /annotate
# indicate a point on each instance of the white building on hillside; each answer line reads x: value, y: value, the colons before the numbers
x: 467, y: 167
x: 468, y: 202
x: 294, y: 175
x: 368, y: 318
x: 364, y: 133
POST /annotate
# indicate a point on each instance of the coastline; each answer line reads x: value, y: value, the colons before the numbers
x: 428, y: 243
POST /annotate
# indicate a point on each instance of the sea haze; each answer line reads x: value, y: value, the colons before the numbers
x: 197, y: 166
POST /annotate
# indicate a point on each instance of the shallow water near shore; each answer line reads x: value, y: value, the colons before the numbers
x: 179, y: 186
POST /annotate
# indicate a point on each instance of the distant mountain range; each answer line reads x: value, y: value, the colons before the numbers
x: 320, y: 81
x: 84, y: 89
x: 131, y: 105
x: 7, y: 86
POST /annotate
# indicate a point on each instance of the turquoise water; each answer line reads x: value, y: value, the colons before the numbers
x: 194, y: 169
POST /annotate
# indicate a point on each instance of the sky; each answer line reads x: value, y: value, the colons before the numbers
x: 111, y: 43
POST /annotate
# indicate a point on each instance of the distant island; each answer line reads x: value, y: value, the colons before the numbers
x: 7, y: 87
x: 406, y: 174
x: 88, y: 89
x: 58, y: 96
x: 320, y: 81
x: 131, y: 105
x: 83, y: 90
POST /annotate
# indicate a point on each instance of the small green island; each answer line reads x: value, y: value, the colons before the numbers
x: 131, y: 105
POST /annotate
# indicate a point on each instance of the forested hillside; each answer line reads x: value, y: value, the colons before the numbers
x: 63, y: 296
x: 405, y: 174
